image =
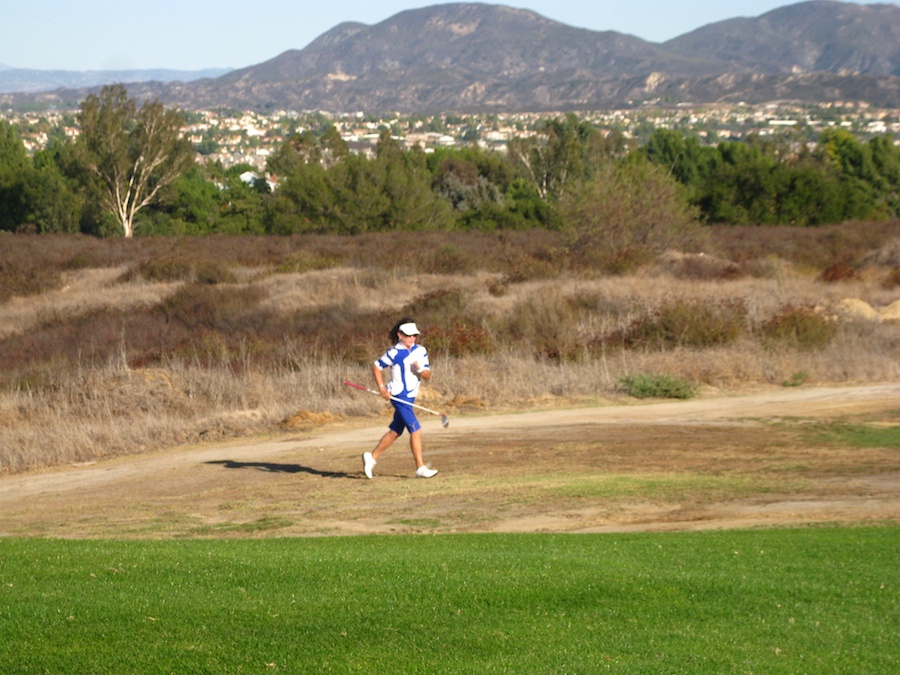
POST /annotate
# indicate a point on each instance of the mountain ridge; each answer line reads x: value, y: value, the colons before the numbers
x: 468, y: 57
x: 30, y: 80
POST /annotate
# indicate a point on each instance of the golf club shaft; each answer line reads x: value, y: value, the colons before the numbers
x: 393, y: 398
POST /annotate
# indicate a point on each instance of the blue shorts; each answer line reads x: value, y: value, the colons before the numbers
x: 404, y: 418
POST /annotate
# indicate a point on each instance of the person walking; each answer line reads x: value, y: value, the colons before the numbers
x: 406, y: 364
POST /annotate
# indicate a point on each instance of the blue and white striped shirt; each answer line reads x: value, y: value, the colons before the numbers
x: 403, y: 383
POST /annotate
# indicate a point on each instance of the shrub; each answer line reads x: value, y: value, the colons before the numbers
x: 702, y: 267
x: 179, y: 269
x: 839, y: 271
x: 800, y: 327
x: 196, y: 306
x: 626, y: 215
x: 437, y: 307
x: 685, y: 323
x: 498, y: 287
x: 622, y: 261
x: 524, y: 266
x: 303, y: 261
x: 892, y: 280
x: 16, y: 280
x: 648, y: 385
x: 460, y: 339
x: 449, y: 259
x: 159, y: 270
x: 62, y: 343
x: 211, y: 273
x: 796, y: 379
x: 546, y: 324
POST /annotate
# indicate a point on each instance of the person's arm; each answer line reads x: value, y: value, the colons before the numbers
x: 422, y: 372
x: 379, y: 381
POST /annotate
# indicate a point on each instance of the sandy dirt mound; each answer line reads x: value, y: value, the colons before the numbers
x: 756, y: 459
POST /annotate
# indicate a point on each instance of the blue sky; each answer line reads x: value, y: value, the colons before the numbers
x: 197, y: 34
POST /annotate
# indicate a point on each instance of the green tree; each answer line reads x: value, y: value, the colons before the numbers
x: 485, y: 190
x: 305, y: 167
x: 332, y: 148
x: 682, y: 157
x: 404, y: 179
x: 133, y: 152
x: 459, y: 181
x: 565, y: 150
x: 192, y: 207
x: 886, y: 158
x: 15, y: 167
x: 852, y: 160
x: 297, y: 151
x: 54, y: 204
x: 360, y: 204
x: 303, y: 202
x: 242, y: 203
x: 391, y: 191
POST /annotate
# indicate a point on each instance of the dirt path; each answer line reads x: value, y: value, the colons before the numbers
x: 712, y: 462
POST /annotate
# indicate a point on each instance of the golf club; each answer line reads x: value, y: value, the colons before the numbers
x: 445, y: 421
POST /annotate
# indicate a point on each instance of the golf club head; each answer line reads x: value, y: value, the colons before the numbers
x: 445, y: 421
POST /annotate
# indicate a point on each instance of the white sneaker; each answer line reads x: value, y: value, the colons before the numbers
x: 368, y: 463
x: 425, y: 472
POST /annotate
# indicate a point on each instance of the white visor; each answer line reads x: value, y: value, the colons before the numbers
x: 408, y: 329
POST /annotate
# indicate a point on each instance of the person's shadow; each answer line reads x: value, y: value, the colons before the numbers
x: 281, y: 468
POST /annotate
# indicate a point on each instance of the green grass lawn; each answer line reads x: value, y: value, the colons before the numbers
x: 817, y: 600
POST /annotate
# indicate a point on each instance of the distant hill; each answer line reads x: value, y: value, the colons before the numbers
x: 27, y: 80
x: 469, y: 57
x: 818, y: 36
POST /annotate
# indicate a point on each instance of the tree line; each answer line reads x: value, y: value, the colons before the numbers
x: 131, y: 172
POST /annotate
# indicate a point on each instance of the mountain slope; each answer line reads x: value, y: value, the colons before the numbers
x: 482, y: 40
x: 469, y: 57
x: 821, y: 35
x: 455, y: 56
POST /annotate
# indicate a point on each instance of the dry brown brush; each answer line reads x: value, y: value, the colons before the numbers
x: 111, y: 347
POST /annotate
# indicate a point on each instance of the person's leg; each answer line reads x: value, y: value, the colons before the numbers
x: 415, y: 444
x: 412, y: 425
x: 414, y: 428
x: 395, y: 430
x: 369, y: 459
x: 386, y: 441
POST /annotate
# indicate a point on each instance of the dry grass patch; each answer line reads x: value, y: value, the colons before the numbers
x: 80, y: 292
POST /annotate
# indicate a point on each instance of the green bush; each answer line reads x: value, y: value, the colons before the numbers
x: 648, y: 385
x: 796, y: 380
